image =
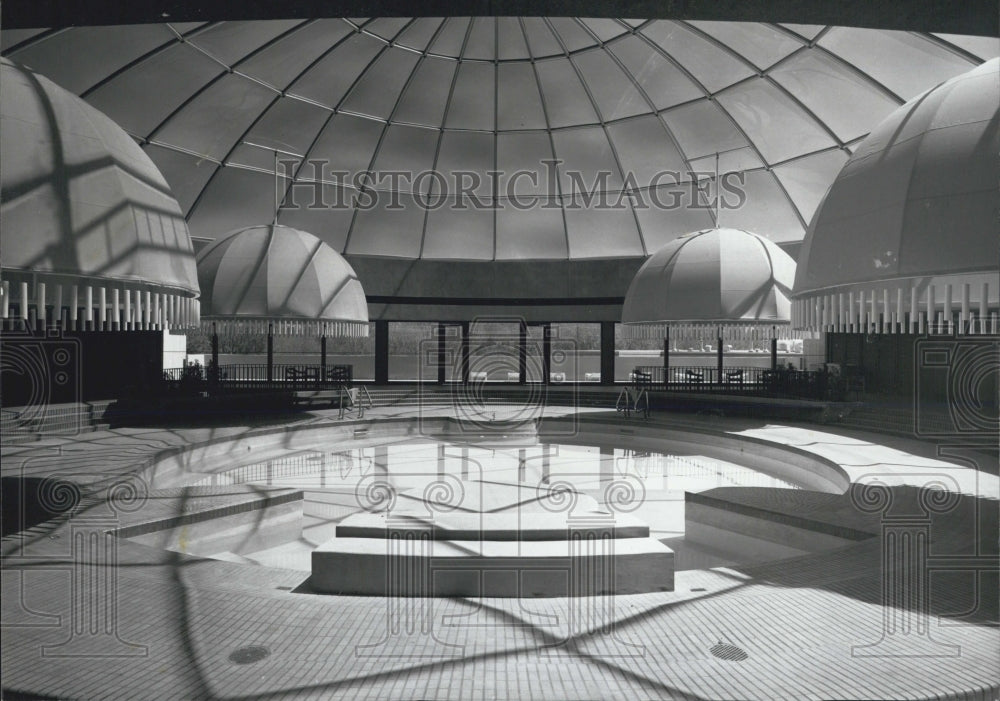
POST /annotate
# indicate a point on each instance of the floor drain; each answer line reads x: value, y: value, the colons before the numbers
x: 729, y: 652
x: 249, y: 654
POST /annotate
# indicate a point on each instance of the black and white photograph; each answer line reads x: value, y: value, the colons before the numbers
x: 499, y: 350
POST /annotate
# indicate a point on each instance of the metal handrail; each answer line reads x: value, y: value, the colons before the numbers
x: 734, y: 380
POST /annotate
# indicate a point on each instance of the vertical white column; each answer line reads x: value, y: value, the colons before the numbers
x: 931, y: 306
x: 74, y: 311
x: 913, y: 309
x: 116, y: 310
x: 197, y: 311
x: 948, y: 322
x: 57, y: 317
x: 127, y: 311
x: 137, y: 307
x: 146, y: 311
x: 24, y: 304
x: 850, y: 312
x: 841, y: 315
x: 88, y: 296
x: 862, y: 313
x: 5, y: 304
x: 898, y: 319
x: 102, y: 311
x: 963, y: 319
x: 886, y: 321
x: 984, y: 301
x: 873, y: 312
x: 40, y: 297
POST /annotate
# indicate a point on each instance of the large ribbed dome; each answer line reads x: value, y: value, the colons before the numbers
x: 82, y: 202
x: 724, y: 275
x: 917, y: 200
x: 276, y: 273
x: 574, y: 103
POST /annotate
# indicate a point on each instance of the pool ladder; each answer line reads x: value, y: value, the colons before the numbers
x: 633, y: 399
x: 354, y: 398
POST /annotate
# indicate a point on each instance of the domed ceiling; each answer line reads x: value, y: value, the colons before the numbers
x: 630, y: 112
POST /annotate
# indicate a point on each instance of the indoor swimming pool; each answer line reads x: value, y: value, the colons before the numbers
x: 438, y: 469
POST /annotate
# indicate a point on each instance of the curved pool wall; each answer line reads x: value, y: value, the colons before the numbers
x: 183, y: 466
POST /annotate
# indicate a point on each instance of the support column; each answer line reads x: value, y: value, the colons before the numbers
x: 89, y: 299
x: 381, y: 352
x: 146, y: 316
x: 774, y: 348
x: 718, y: 357
x: 607, y: 352
x: 102, y: 311
x: 964, y: 325
x: 862, y: 313
x: 116, y: 320
x: 74, y: 310
x: 270, y: 353
x: 440, y: 353
x: 522, y: 353
x: 23, y: 306
x: 127, y: 314
x: 666, y: 356
x: 948, y: 321
x: 873, y: 314
x: 40, y: 304
x: 886, y: 320
x: 931, y: 308
x: 898, y: 320
x: 322, y: 358
x: 914, y: 311
x: 213, y: 373
x: 547, y: 352
x: 57, y: 316
x: 465, y: 352
x: 983, y: 306
x: 5, y: 311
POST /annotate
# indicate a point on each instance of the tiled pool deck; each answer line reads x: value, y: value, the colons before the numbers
x: 811, y: 627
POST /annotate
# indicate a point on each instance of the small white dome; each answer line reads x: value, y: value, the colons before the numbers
x: 276, y: 273
x: 725, y: 275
